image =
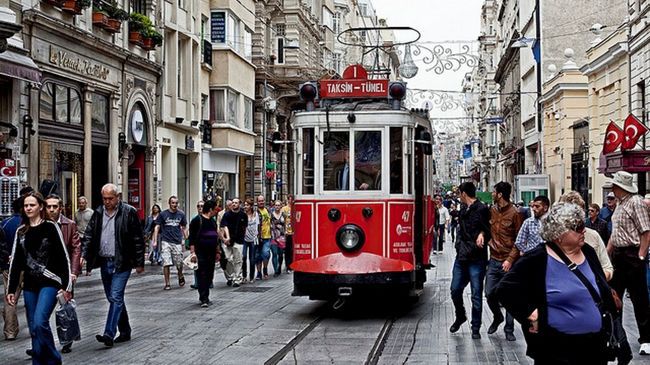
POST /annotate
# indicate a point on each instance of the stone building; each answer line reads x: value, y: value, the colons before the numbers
x: 292, y: 42
x: 607, y: 70
x: 95, y: 109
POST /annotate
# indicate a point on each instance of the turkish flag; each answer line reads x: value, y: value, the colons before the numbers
x: 634, y: 129
x: 613, y: 138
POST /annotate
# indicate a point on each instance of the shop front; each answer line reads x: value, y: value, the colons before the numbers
x: 220, y: 175
x: 92, y: 116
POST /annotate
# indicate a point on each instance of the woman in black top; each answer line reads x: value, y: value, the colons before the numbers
x: 40, y: 253
x: 203, y: 247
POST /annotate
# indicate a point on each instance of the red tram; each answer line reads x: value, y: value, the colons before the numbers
x: 363, y: 206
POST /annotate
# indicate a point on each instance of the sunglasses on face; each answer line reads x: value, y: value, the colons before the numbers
x: 579, y: 227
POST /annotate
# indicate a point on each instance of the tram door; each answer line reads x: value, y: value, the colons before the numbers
x: 420, y: 209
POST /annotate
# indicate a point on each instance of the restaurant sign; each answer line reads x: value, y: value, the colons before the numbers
x: 77, y: 64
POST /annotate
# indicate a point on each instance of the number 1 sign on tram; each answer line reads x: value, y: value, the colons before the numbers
x: 355, y: 84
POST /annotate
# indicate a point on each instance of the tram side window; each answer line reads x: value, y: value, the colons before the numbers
x: 396, y: 158
x: 367, y: 160
x: 336, y: 157
x: 308, y: 161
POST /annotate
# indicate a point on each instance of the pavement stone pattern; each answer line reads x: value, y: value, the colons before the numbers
x: 250, y: 324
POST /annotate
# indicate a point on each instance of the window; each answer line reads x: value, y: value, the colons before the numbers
x: 308, y: 161
x: 248, y: 114
x: 363, y: 10
x: 218, y: 27
x: 336, y: 62
x: 336, y: 22
x: 336, y: 161
x: 139, y: 6
x: 179, y: 71
x: 232, y: 33
x: 280, y: 30
x: 218, y: 106
x: 233, y: 107
x: 248, y: 44
x: 328, y: 20
x: 280, y: 51
x: 205, y: 110
x: 60, y: 104
x: 396, y: 153
x: 362, y: 36
x: 99, y: 113
x: 367, y: 160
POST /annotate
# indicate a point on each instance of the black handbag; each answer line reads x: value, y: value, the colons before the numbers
x: 617, y: 345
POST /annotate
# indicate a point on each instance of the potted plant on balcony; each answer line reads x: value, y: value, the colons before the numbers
x: 75, y: 6
x: 151, y: 39
x: 115, y: 17
x: 99, y: 14
x: 137, y: 24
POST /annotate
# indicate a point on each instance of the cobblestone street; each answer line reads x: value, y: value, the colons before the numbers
x: 262, y: 323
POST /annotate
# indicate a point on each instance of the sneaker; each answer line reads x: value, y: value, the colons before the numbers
x: 645, y: 349
x: 122, y: 338
x: 510, y: 336
x: 107, y: 341
x: 204, y: 305
x: 476, y: 335
x: 259, y: 276
x: 229, y: 282
x: 235, y: 285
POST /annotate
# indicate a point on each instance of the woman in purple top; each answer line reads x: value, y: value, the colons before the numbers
x: 203, y: 248
x: 559, y: 318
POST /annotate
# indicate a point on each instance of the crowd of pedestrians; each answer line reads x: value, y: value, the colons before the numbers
x: 559, y: 272
x: 42, y: 253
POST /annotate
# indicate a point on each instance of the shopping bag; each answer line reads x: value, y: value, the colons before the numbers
x: 67, y: 323
x: 191, y: 265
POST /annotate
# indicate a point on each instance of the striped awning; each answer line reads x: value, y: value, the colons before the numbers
x: 19, y: 66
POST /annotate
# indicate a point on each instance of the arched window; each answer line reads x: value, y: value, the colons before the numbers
x: 60, y: 104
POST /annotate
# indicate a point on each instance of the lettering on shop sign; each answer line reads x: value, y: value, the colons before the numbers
x: 76, y: 64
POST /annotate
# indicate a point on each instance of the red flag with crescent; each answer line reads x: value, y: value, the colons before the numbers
x: 633, y: 129
x: 613, y: 138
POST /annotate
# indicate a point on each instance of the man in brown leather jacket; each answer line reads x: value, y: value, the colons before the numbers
x: 54, y: 206
x: 505, y: 222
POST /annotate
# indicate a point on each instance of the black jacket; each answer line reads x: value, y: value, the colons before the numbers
x: 129, y: 239
x: 523, y: 289
x: 41, y: 254
x: 473, y: 220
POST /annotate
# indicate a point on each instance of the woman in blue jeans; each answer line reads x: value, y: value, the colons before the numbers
x: 40, y: 253
x: 249, y: 241
x: 277, y: 238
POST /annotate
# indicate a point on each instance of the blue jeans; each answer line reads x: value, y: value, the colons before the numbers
x: 473, y: 273
x: 114, y: 286
x: 494, y: 275
x: 39, y: 306
x: 278, y: 258
x: 263, y: 251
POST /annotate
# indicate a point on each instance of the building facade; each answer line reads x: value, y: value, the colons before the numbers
x: 607, y: 70
x: 93, y: 113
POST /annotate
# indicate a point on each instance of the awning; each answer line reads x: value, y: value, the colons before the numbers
x: 19, y: 66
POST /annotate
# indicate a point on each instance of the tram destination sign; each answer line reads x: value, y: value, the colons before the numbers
x: 330, y: 89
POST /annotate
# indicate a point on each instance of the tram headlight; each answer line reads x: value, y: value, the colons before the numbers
x: 350, y: 237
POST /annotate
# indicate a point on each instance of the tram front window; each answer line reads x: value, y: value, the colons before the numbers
x: 367, y: 160
x: 336, y: 161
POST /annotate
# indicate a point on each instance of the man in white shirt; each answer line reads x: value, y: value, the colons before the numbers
x: 441, y: 226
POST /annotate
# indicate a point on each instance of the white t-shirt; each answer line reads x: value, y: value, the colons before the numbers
x: 443, y: 215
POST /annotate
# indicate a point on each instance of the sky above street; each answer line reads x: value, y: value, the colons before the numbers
x: 437, y: 21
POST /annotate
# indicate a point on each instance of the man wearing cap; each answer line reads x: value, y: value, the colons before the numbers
x: 628, y: 247
x: 607, y: 211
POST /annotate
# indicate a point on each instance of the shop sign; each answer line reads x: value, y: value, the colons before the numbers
x: 79, y: 65
x: 218, y: 25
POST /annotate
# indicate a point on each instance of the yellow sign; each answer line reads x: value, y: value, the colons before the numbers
x: 81, y: 66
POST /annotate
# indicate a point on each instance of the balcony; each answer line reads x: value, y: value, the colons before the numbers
x: 230, y: 140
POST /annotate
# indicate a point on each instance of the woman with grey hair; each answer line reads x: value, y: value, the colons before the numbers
x: 592, y: 238
x: 560, y: 319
